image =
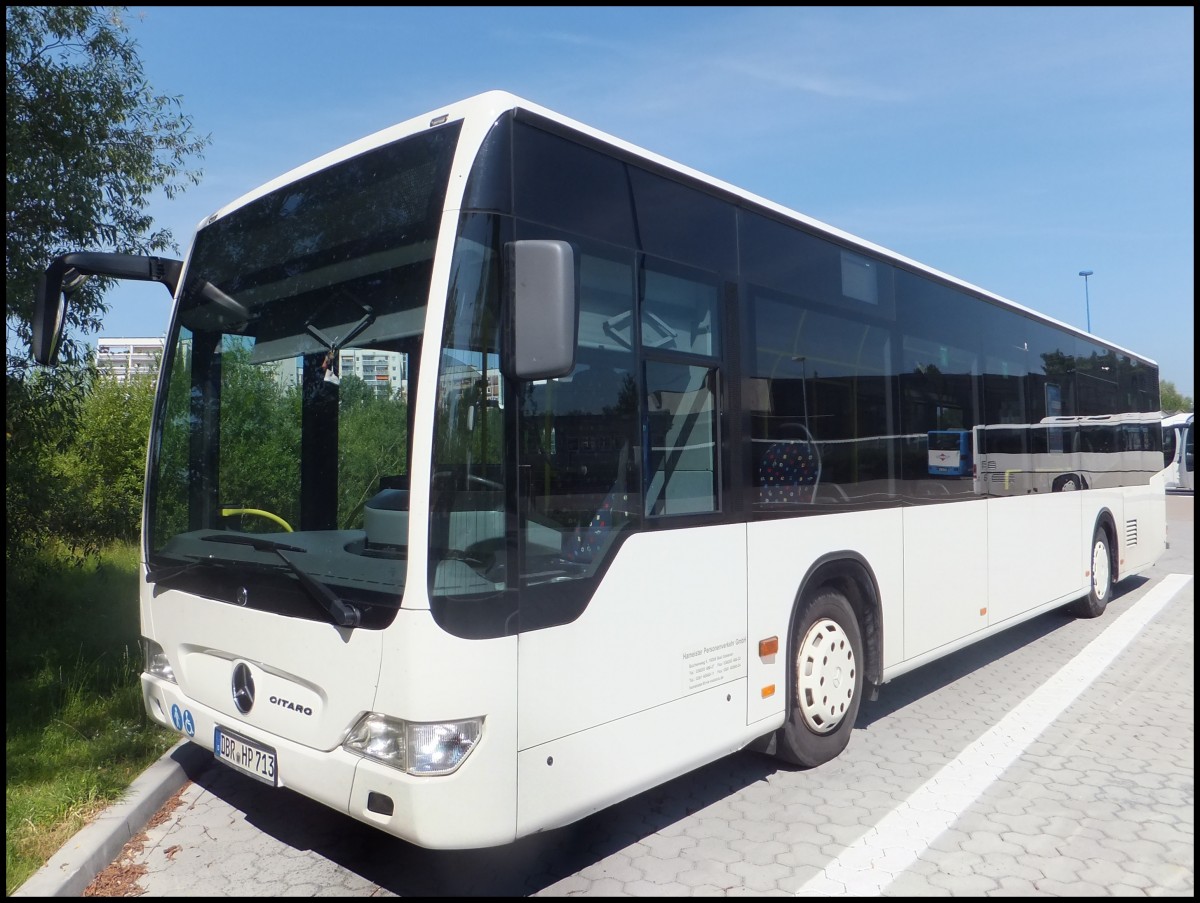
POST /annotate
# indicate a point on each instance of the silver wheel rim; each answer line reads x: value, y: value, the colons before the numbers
x: 1069, y: 485
x: 1100, y: 571
x: 825, y: 671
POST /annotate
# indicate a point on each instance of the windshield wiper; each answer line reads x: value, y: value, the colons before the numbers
x: 170, y: 572
x: 343, y: 613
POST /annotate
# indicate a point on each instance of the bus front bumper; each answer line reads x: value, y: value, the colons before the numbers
x: 441, y: 812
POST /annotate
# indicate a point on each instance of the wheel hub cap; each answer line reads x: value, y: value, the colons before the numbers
x: 825, y: 670
x: 1100, y: 570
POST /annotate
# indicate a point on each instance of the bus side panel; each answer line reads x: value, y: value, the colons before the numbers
x: 576, y: 775
x: 668, y: 620
x: 781, y: 553
x: 945, y: 574
x: 1142, y: 531
x: 1037, y: 549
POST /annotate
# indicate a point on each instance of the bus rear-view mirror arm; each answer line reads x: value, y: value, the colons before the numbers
x: 67, y: 272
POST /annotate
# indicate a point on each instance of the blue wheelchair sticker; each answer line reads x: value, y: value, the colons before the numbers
x: 183, y: 720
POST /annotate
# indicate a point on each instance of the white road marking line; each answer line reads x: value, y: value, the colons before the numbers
x: 881, y: 855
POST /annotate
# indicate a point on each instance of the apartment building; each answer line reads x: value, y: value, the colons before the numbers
x: 122, y: 358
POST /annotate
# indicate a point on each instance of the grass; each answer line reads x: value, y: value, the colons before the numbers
x: 76, y: 734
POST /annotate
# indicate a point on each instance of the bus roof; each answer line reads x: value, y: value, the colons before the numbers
x: 489, y: 105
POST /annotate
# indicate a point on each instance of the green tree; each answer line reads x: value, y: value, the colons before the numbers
x: 1171, y: 401
x: 103, y: 468
x: 371, y: 445
x: 260, y: 435
x: 88, y: 141
x: 76, y: 461
x: 40, y: 416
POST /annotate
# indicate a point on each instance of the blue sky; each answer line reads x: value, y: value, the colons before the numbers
x: 1010, y: 147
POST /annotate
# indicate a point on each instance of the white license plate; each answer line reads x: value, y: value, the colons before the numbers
x: 246, y: 756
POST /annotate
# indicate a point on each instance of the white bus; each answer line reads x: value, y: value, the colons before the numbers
x: 657, y: 488
x: 1179, y: 451
x: 1062, y: 454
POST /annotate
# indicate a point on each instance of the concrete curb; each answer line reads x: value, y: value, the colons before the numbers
x: 93, y: 849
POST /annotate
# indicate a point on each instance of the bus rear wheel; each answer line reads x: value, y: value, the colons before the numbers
x: 1068, y: 482
x: 826, y: 681
x: 1093, y: 604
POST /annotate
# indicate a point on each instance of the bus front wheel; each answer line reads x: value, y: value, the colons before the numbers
x: 826, y: 681
x: 1093, y: 604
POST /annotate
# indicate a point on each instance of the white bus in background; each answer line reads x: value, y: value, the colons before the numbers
x: 659, y: 489
x: 1063, y: 454
x: 1179, y: 451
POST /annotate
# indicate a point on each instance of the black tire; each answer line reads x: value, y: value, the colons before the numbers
x: 826, y: 681
x: 1093, y: 604
x: 1068, y: 482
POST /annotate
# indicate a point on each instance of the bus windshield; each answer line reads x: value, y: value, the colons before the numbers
x: 284, y: 411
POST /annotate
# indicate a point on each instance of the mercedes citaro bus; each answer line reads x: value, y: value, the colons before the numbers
x: 647, y: 481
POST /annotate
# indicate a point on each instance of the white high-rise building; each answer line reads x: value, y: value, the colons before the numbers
x: 125, y: 357
x: 386, y: 372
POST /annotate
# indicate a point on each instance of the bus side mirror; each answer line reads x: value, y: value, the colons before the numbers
x: 49, y: 315
x: 544, y: 305
x: 69, y: 271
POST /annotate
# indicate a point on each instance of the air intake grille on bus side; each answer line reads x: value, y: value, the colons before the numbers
x: 1131, y: 532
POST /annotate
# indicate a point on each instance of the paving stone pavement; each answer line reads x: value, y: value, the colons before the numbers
x: 1101, y: 802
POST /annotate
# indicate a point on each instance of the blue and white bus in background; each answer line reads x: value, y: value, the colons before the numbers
x: 950, y: 453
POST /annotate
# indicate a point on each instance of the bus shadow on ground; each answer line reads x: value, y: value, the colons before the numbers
x: 522, y: 868
x: 927, y: 679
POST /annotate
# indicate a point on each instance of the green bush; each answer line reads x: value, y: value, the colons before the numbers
x: 76, y: 732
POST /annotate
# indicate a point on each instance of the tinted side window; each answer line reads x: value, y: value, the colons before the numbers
x: 790, y: 260
x: 939, y: 381
x: 1097, y: 377
x: 819, y: 371
x: 680, y: 321
x: 1137, y: 385
x: 681, y: 438
x: 683, y: 224
x: 818, y: 397
x: 561, y: 184
x: 579, y: 435
x: 680, y: 309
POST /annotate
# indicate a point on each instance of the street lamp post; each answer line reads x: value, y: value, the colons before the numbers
x: 1086, y: 299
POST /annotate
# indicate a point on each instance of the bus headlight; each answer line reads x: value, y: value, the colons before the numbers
x: 414, y: 747
x: 157, y: 663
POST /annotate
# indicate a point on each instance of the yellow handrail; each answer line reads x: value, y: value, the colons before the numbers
x: 229, y: 512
